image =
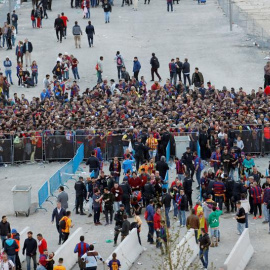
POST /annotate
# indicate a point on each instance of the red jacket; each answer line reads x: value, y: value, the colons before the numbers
x: 137, y: 182
x: 120, y: 193
x: 157, y: 219
x: 42, y: 246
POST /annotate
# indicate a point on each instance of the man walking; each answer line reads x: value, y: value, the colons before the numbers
x: 4, y: 229
x: 107, y: 10
x: 166, y: 201
x: 30, y: 247
x: 119, y: 64
x: 240, y: 218
x: 193, y: 222
x: 16, y: 236
x: 136, y: 68
x: 90, y: 32
x: 10, y: 247
x: 65, y: 225
x: 154, y: 67
x: 149, y: 216
x: 119, y: 219
x: 59, y: 27
x: 80, y: 195
x: 204, y: 242
x: 58, y: 214
x: 42, y: 244
x: 27, y: 50
x: 94, y: 164
x: 81, y: 248
x: 76, y: 31
x: 63, y: 198
x: 8, y: 64
x: 65, y: 20
x: 108, y: 199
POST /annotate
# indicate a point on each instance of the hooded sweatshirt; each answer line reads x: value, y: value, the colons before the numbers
x: 213, y: 219
x: 10, y: 247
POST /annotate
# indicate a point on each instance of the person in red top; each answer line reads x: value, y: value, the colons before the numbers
x: 157, y: 220
x: 74, y: 67
x: 42, y: 244
x: 155, y: 86
x: 135, y: 182
x: 117, y: 192
x: 144, y: 177
x: 65, y: 20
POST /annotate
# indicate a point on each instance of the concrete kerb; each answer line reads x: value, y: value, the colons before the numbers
x: 23, y: 236
x: 240, y: 254
x: 186, y: 251
x: 66, y: 250
x: 128, y: 251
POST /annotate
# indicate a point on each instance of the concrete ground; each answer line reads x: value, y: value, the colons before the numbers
x: 198, y: 32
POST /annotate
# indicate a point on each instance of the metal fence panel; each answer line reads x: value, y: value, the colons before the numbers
x: 5, y: 151
x: 55, y: 182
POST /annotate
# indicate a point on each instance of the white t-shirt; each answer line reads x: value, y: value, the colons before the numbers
x: 6, y: 265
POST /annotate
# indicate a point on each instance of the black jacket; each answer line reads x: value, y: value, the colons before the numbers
x: 183, y: 203
x: 58, y: 216
x: 80, y: 189
x: 186, y: 67
x: 162, y: 167
x: 93, y: 163
x: 166, y: 200
x: 90, y: 30
x: 30, y: 47
x: 148, y: 191
x: 30, y: 245
x: 59, y: 23
x: 204, y: 241
x: 154, y: 62
x: 187, y: 158
x: 125, y: 228
x: 107, y: 7
x: 126, y: 189
x: 4, y: 228
x: 109, y: 203
x: 139, y: 150
x: 118, y: 217
x: 187, y: 185
x: 10, y: 246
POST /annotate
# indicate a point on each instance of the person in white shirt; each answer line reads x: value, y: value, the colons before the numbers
x: 240, y: 143
x: 6, y: 264
x: 91, y: 257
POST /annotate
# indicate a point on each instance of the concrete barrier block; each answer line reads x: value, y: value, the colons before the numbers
x: 66, y: 250
x: 240, y: 254
x: 128, y: 251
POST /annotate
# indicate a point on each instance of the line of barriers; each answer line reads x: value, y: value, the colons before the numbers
x: 59, y: 178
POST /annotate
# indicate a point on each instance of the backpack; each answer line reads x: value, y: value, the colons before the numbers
x: 119, y: 61
x: 96, y: 67
x: 156, y: 62
x: 62, y: 224
x: 146, y: 215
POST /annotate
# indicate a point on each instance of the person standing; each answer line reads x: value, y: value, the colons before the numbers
x: 119, y: 64
x: 4, y: 229
x: 81, y: 248
x: 187, y: 159
x: 107, y: 10
x: 59, y: 27
x: 16, y: 236
x: 108, y: 199
x: 60, y: 265
x: 114, y: 263
x: 90, y: 32
x: 6, y: 263
x: 219, y: 190
x: 213, y: 221
x: 240, y: 218
x: 187, y: 186
x: 27, y: 50
x: 10, y: 247
x: 170, y: 4
x: 42, y: 244
x: 149, y: 216
x: 94, y: 164
x: 179, y: 67
x: 119, y: 219
x: 267, y: 74
x: 97, y: 200
x: 181, y: 201
x: 99, y: 69
x: 256, y: 194
x: 157, y: 225
x: 30, y: 248
x: 125, y: 228
x: 57, y: 214
x: 204, y: 243
x: 193, y: 222
x: 65, y: 20
x: 173, y: 75
x: 186, y: 72
x: 9, y: 37
x: 63, y: 198
x: 65, y: 225
x: 77, y: 32
x: 197, y: 78
x: 166, y: 201
x: 34, y: 69
x: 14, y: 20
x: 136, y: 68
x: 154, y: 66
x: 80, y: 195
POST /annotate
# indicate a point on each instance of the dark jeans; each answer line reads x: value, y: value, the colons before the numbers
x: 168, y: 6
x: 219, y: 201
x: 119, y: 71
x: 126, y: 203
x: 91, y: 268
x: 65, y: 31
x: 96, y: 214
x: 158, y: 241
x: 60, y: 232
x: 150, y: 232
x: 204, y: 257
x: 179, y: 73
x: 190, y: 168
x: 107, y: 212
x: 186, y: 76
x: 59, y: 31
x: 90, y: 40
x: 189, y: 199
x: 256, y: 206
x: 28, y: 262
x: 155, y: 70
x: 18, y: 261
x: 65, y: 236
x: 136, y: 74
x: 266, y: 80
x: 79, y: 203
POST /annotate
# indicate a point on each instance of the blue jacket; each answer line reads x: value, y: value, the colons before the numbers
x: 99, y: 153
x: 136, y: 66
x: 127, y: 164
x: 7, y: 64
x: 172, y: 67
x: 151, y: 212
x: 44, y: 95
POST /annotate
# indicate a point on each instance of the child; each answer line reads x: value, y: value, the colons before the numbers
x: 163, y: 237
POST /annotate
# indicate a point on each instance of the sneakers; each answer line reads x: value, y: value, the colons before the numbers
x: 115, y: 244
x: 182, y: 226
x: 265, y: 221
x: 254, y: 218
x: 82, y: 214
x: 106, y: 224
x: 260, y: 217
x: 90, y: 215
x: 174, y: 217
